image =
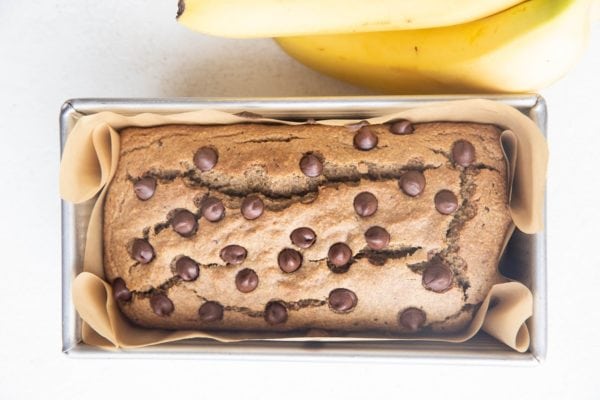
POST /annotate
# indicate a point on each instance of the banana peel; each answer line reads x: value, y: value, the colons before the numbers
x: 275, y: 18
x: 521, y: 49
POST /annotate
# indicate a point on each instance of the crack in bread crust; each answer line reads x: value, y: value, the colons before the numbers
x: 289, y: 305
x: 332, y: 176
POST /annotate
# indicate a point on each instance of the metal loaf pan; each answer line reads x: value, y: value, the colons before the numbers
x: 524, y: 259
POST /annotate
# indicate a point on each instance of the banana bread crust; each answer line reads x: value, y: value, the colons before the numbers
x: 191, y: 192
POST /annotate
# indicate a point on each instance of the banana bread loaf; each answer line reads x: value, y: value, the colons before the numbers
x: 393, y: 228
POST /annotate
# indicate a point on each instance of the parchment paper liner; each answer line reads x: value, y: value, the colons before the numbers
x: 89, y: 162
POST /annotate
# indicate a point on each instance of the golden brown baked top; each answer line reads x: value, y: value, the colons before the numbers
x: 274, y: 227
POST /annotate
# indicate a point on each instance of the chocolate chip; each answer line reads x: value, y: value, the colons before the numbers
x: 120, y: 291
x: 339, y: 254
x: 210, y: 311
x: 402, y: 127
x: 342, y: 300
x: 412, y: 318
x: 184, y: 223
x: 246, y: 280
x: 161, y: 305
x: 463, y: 153
x: 275, y: 313
x: 303, y: 237
x: 445, y: 202
x: 213, y: 209
x: 365, y: 139
x: 311, y: 166
x: 412, y: 183
x: 205, y: 158
x: 142, y: 251
x: 252, y: 207
x: 233, y: 254
x: 377, y: 238
x: 437, y: 276
x: 144, y: 188
x: 187, y: 269
x: 365, y: 204
x: 289, y: 260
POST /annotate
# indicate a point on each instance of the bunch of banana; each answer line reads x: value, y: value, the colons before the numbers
x: 458, y: 49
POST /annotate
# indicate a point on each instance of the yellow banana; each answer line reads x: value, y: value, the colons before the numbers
x: 520, y: 49
x: 274, y: 18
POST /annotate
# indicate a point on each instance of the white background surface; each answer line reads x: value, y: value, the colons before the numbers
x: 54, y: 50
